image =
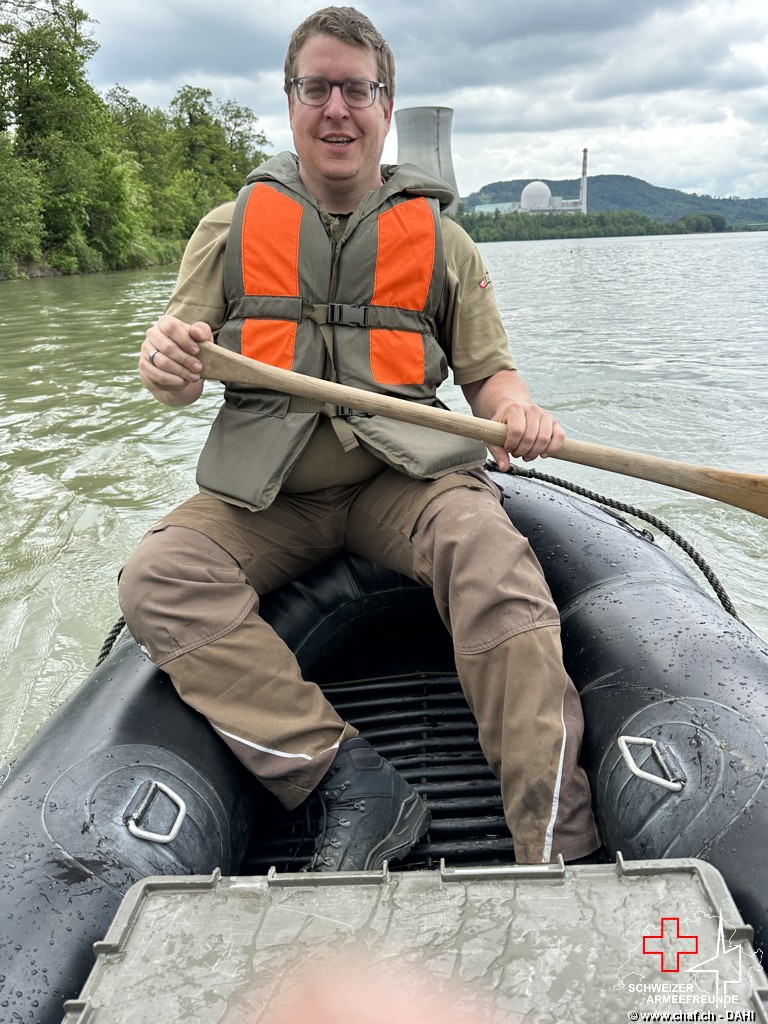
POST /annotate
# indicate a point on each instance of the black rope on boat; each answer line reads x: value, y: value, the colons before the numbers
x: 109, y: 642
x: 647, y: 517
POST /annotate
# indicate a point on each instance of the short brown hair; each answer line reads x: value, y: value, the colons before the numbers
x: 350, y: 26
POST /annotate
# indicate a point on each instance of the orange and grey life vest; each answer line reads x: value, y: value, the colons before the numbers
x: 363, y: 309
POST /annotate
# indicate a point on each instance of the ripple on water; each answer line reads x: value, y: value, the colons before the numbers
x: 634, y: 343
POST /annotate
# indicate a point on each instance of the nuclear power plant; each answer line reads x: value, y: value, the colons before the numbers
x: 424, y: 138
x: 537, y: 197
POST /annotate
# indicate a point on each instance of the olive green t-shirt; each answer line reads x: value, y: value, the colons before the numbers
x: 478, y: 342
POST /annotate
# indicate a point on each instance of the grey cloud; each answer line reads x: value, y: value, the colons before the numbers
x: 567, y: 69
x: 434, y: 25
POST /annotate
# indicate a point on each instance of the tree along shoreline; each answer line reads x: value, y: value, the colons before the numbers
x: 513, y: 227
x: 169, y: 254
x: 532, y: 227
x: 482, y: 227
x: 166, y: 256
x: 98, y: 183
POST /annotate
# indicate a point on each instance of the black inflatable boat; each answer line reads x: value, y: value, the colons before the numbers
x: 126, y: 781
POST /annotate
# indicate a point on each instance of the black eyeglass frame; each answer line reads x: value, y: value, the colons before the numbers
x: 298, y: 84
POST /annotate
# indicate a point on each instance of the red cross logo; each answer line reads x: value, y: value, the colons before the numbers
x: 670, y: 938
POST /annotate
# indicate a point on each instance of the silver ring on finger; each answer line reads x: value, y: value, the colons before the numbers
x: 152, y: 355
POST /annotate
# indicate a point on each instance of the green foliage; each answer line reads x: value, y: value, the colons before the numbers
x: 90, y: 183
x: 700, y: 223
x: 21, y: 222
x: 216, y: 143
x: 116, y: 212
x: 144, y: 135
x: 59, y: 123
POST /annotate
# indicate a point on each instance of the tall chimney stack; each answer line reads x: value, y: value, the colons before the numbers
x: 583, y: 187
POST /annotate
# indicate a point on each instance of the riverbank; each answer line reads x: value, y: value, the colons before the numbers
x: 164, y: 254
x: 481, y: 227
x: 536, y: 227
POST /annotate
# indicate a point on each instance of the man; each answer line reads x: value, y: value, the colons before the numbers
x: 332, y: 265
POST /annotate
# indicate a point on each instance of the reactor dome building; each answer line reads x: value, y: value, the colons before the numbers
x: 535, y: 196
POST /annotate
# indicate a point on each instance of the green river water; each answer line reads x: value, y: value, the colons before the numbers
x: 655, y: 344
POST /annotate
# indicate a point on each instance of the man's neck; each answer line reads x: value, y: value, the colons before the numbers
x: 338, y: 201
x: 338, y: 204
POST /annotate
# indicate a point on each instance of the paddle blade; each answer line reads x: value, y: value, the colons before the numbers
x: 748, y: 491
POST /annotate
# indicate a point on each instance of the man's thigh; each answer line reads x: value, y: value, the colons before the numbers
x: 276, y: 544
x: 383, y: 516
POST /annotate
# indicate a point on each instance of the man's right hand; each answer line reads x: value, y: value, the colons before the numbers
x: 168, y: 363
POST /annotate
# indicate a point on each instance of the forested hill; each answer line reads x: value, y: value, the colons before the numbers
x: 613, y: 192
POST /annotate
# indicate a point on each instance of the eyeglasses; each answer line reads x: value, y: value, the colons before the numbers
x: 356, y: 92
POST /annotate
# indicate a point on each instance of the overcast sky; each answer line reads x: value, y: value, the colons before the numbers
x: 674, y: 92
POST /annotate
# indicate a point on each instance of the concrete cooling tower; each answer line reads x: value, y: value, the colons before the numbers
x: 424, y: 138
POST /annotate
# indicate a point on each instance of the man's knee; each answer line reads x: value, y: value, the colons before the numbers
x: 179, y: 590
x: 484, y: 574
x: 464, y: 524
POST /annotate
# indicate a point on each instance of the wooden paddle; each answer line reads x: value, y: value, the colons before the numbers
x: 743, y: 490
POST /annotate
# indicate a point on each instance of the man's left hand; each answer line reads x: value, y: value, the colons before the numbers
x: 532, y: 432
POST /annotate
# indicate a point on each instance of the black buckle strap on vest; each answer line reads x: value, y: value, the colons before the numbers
x: 347, y: 314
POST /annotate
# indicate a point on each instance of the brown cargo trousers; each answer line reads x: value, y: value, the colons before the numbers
x: 190, y: 595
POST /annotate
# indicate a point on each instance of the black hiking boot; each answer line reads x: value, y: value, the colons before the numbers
x: 370, y: 813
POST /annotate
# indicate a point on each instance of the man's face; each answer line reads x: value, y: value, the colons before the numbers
x: 339, y: 147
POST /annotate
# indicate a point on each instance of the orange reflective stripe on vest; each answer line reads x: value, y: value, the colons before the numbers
x: 405, y: 256
x: 404, y: 263
x: 273, y: 215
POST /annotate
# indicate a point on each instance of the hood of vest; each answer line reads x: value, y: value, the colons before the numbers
x: 408, y: 178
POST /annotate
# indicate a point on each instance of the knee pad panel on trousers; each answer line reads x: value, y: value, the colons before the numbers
x: 180, y: 590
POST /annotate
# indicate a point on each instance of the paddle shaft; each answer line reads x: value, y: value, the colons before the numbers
x: 748, y: 491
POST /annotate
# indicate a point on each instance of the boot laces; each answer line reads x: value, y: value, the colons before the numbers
x: 333, y: 811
